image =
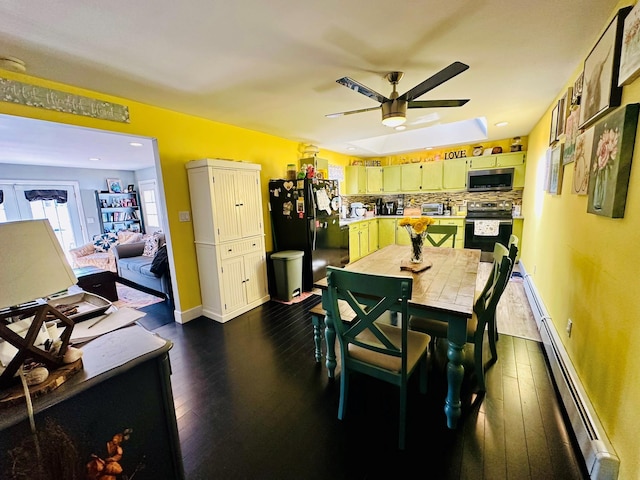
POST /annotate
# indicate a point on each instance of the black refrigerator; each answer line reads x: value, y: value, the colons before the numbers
x: 305, y: 217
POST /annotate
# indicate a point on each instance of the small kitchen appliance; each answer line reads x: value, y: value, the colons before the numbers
x: 431, y: 209
x: 389, y: 208
x: 357, y: 210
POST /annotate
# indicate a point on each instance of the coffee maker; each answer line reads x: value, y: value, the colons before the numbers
x: 389, y: 208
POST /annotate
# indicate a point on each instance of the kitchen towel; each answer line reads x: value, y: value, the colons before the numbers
x: 486, y: 228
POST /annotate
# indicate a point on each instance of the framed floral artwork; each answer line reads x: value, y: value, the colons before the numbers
x: 600, y: 90
x: 556, y: 170
x: 612, y: 151
x: 630, y: 53
x: 571, y: 131
x: 582, y: 157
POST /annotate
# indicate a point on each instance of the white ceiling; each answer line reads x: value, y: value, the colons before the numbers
x: 272, y: 66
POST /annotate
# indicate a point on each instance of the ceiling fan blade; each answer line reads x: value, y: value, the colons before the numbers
x: 436, y: 103
x: 439, y: 78
x: 360, y: 88
x: 342, y: 114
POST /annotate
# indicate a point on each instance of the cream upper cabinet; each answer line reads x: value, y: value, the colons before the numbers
x: 411, y: 177
x: 432, y: 176
x: 374, y: 179
x: 510, y: 159
x: 391, y: 178
x: 481, y: 162
x: 454, y: 174
x: 355, y: 180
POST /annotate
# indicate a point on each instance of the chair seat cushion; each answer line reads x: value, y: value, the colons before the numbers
x: 417, y: 343
x: 438, y: 328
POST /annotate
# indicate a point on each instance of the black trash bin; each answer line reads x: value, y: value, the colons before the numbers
x: 287, y: 270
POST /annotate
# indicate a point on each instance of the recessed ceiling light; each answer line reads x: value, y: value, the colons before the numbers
x: 351, y: 148
x: 94, y: 159
x: 428, y: 148
x: 135, y: 144
x: 12, y: 63
x: 502, y: 124
x: 401, y: 127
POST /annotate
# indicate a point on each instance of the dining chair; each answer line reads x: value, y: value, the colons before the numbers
x: 483, y: 315
x: 442, y: 234
x: 370, y: 344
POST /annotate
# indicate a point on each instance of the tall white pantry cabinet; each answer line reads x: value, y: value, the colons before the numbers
x: 226, y: 206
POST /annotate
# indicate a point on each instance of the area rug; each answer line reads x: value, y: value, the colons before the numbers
x: 132, y: 298
x: 297, y: 299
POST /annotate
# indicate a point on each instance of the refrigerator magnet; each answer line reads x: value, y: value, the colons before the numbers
x: 300, y: 205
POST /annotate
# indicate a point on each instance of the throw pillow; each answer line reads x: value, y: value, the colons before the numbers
x: 103, y: 242
x: 127, y: 236
x: 150, y: 246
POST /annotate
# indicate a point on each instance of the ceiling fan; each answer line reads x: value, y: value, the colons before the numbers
x: 394, y: 108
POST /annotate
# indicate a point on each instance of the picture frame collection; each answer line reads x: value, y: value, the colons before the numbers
x: 588, y: 120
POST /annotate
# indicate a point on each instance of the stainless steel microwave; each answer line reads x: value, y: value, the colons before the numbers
x: 497, y: 179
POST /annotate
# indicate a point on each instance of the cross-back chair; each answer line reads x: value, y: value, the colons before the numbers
x: 370, y: 344
x: 484, y: 310
x: 437, y: 235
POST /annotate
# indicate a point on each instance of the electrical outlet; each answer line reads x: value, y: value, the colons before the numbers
x: 569, y: 327
x: 184, y: 216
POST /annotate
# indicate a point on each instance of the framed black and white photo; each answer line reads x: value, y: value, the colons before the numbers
x: 600, y: 90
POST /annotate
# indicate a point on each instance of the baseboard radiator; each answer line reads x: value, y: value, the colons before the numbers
x: 600, y: 458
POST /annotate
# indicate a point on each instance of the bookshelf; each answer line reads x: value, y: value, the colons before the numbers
x: 119, y: 211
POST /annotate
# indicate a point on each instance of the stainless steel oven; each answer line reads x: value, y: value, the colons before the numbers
x: 486, y: 223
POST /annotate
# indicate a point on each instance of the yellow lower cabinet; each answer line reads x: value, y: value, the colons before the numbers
x: 373, y: 235
x: 386, y: 232
x: 458, y: 222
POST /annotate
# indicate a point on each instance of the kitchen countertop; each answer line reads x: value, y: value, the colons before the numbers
x: 350, y: 221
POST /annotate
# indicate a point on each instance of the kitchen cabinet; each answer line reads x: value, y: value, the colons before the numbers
x: 226, y: 204
x: 386, y: 232
x: 358, y: 240
x: 512, y: 159
x: 431, y: 176
x: 518, y: 224
x: 373, y: 236
x: 482, y: 162
x: 454, y: 174
x: 422, y: 177
x: 402, y: 236
x: 374, y: 179
x: 119, y: 211
x: 355, y: 180
x: 391, y: 178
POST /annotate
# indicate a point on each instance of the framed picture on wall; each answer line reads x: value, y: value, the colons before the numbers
x: 582, y: 157
x: 563, y: 112
x: 576, y: 96
x: 556, y: 169
x: 613, y: 140
x: 630, y: 52
x: 553, y: 131
x: 571, y: 131
x: 600, y: 90
x: 114, y: 185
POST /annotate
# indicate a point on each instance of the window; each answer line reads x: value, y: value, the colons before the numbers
x: 150, y: 205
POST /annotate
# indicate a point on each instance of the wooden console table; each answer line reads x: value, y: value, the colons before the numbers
x: 124, y: 386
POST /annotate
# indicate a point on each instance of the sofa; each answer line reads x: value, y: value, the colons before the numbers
x: 99, y: 252
x: 144, y: 264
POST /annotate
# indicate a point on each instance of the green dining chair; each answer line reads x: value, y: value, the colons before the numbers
x: 484, y: 310
x: 370, y: 344
x: 439, y: 234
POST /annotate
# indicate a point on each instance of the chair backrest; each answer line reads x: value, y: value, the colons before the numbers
x: 371, y: 297
x: 499, y: 252
x: 486, y: 303
x: 443, y: 233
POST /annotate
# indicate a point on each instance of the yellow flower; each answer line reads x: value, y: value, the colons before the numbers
x: 419, y: 225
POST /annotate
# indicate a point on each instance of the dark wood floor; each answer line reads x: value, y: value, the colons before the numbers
x: 252, y: 403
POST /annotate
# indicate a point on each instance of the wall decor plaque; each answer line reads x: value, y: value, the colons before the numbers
x: 40, y: 97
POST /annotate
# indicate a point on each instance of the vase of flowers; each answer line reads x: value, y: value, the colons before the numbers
x: 417, y: 229
x: 606, y: 154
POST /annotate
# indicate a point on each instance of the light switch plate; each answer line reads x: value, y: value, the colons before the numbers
x: 184, y: 216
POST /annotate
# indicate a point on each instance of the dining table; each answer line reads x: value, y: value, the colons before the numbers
x: 443, y: 289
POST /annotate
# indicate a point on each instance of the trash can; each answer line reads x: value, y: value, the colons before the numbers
x: 287, y: 270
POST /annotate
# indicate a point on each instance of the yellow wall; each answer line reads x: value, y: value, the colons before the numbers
x: 586, y: 268
x: 181, y: 138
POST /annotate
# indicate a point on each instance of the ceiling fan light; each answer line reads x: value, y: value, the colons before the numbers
x: 394, y: 113
x: 394, y: 121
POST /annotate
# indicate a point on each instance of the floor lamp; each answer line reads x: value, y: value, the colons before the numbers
x: 32, y: 267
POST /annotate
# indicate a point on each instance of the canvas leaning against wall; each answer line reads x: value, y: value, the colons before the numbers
x: 612, y: 151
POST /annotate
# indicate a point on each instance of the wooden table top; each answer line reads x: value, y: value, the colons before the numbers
x: 448, y: 286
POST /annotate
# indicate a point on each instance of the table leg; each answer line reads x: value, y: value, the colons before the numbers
x: 455, y: 370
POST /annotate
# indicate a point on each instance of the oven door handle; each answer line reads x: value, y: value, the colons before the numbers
x: 503, y: 221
